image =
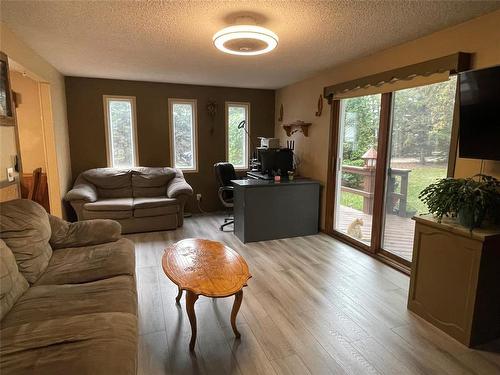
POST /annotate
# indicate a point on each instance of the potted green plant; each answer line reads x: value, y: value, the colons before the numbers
x: 472, y: 200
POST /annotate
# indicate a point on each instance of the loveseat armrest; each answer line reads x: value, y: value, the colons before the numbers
x: 83, y: 233
x: 82, y: 191
x: 178, y: 186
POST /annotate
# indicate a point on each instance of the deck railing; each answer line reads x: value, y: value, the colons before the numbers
x: 396, y: 199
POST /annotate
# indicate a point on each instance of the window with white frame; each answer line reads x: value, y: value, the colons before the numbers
x: 121, y: 134
x: 183, y: 134
x: 237, y: 127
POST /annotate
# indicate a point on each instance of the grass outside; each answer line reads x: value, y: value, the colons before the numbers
x: 419, y: 178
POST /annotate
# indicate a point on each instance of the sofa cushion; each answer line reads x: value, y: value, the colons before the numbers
x: 12, y: 283
x: 110, y: 182
x: 155, y: 206
x: 156, y: 211
x: 113, y: 204
x: 25, y: 228
x: 101, y: 343
x: 154, y: 202
x: 84, y: 264
x: 151, y: 182
x: 114, y: 215
x: 45, y: 302
x: 114, y: 208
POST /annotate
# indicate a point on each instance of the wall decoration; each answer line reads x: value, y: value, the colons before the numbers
x: 280, y: 118
x: 212, y: 112
x: 320, y: 106
x: 297, y: 126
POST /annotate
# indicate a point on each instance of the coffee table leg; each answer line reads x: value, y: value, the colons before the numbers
x: 238, y: 298
x: 179, y: 295
x: 190, y: 300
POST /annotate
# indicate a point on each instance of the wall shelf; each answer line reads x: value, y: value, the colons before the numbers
x: 297, y: 126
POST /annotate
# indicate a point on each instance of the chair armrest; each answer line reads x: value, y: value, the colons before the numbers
x: 178, y: 186
x: 221, y: 191
x: 83, y: 233
x: 82, y: 191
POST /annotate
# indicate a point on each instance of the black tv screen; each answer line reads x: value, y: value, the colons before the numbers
x: 480, y: 114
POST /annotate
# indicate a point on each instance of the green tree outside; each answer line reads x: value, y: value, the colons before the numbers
x: 236, y: 137
x: 120, y: 116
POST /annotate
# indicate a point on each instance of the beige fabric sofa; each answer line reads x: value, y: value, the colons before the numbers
x: 141, y: 199
x: 68, y: 296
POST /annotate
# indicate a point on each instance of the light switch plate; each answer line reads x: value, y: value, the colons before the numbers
x: 10, y: 174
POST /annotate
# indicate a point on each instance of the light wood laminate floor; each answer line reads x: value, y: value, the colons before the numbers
x: 313, y: 306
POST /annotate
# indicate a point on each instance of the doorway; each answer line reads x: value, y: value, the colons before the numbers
x: 385, y: 149
x: 35, y: 137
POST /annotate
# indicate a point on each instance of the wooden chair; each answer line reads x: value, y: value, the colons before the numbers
x: 34, y: 192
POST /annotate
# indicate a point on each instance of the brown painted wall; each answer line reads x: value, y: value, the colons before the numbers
x: 87, y: 134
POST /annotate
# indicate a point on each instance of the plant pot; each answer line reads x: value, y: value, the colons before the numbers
x: 470, y: 218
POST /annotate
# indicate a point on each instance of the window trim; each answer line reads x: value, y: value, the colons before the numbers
x: 247, y: 141
x: 194, y: 106
x: 106, y: 99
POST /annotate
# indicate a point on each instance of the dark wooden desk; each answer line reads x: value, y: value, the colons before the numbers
x: 268, y: 210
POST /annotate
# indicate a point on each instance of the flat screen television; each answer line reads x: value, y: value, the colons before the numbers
x: 480, y: 114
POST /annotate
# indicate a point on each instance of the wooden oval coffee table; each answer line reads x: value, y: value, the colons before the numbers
x: 207, y: 268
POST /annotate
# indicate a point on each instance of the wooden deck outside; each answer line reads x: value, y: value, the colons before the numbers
x: 398, y: 237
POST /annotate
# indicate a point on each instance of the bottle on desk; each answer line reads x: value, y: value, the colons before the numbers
x: 277, y: 176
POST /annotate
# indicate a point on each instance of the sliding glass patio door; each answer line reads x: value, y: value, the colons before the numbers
x: 356, y: 172
x: 419, y: 144
x: 386, y: 148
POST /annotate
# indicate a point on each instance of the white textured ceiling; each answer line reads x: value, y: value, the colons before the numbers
x: 171, y: 41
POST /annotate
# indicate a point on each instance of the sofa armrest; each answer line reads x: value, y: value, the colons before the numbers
x: 83, y: 233
x: 178, y: 186
x: 82, y: 191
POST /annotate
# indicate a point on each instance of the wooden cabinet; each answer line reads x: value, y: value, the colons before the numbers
x: 455, y: 279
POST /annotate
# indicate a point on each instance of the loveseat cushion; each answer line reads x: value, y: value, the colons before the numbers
x: 85, y: 264
x: 100, y: 343
x: 156, y: 211
x: 114, y: 215
x: 113, y: 204
x: 154, y: 202
x: 46, y: 302
x: 110, y: 182
x: 155, y: 206
x: 151, y: 182
x: 12, y: 283
x: 113, y: 208
x: 25, y: 228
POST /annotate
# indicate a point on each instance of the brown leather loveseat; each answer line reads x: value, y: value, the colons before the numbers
x: 141, y: 199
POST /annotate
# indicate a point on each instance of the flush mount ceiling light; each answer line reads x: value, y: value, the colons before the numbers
x: 245, y: 39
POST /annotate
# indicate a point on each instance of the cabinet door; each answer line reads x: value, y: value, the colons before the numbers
x: 444, y: 279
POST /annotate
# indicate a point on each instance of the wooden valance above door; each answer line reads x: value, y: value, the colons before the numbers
x: 453, y: 64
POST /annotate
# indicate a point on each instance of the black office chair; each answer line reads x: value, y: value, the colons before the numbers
x: 224, y: 173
